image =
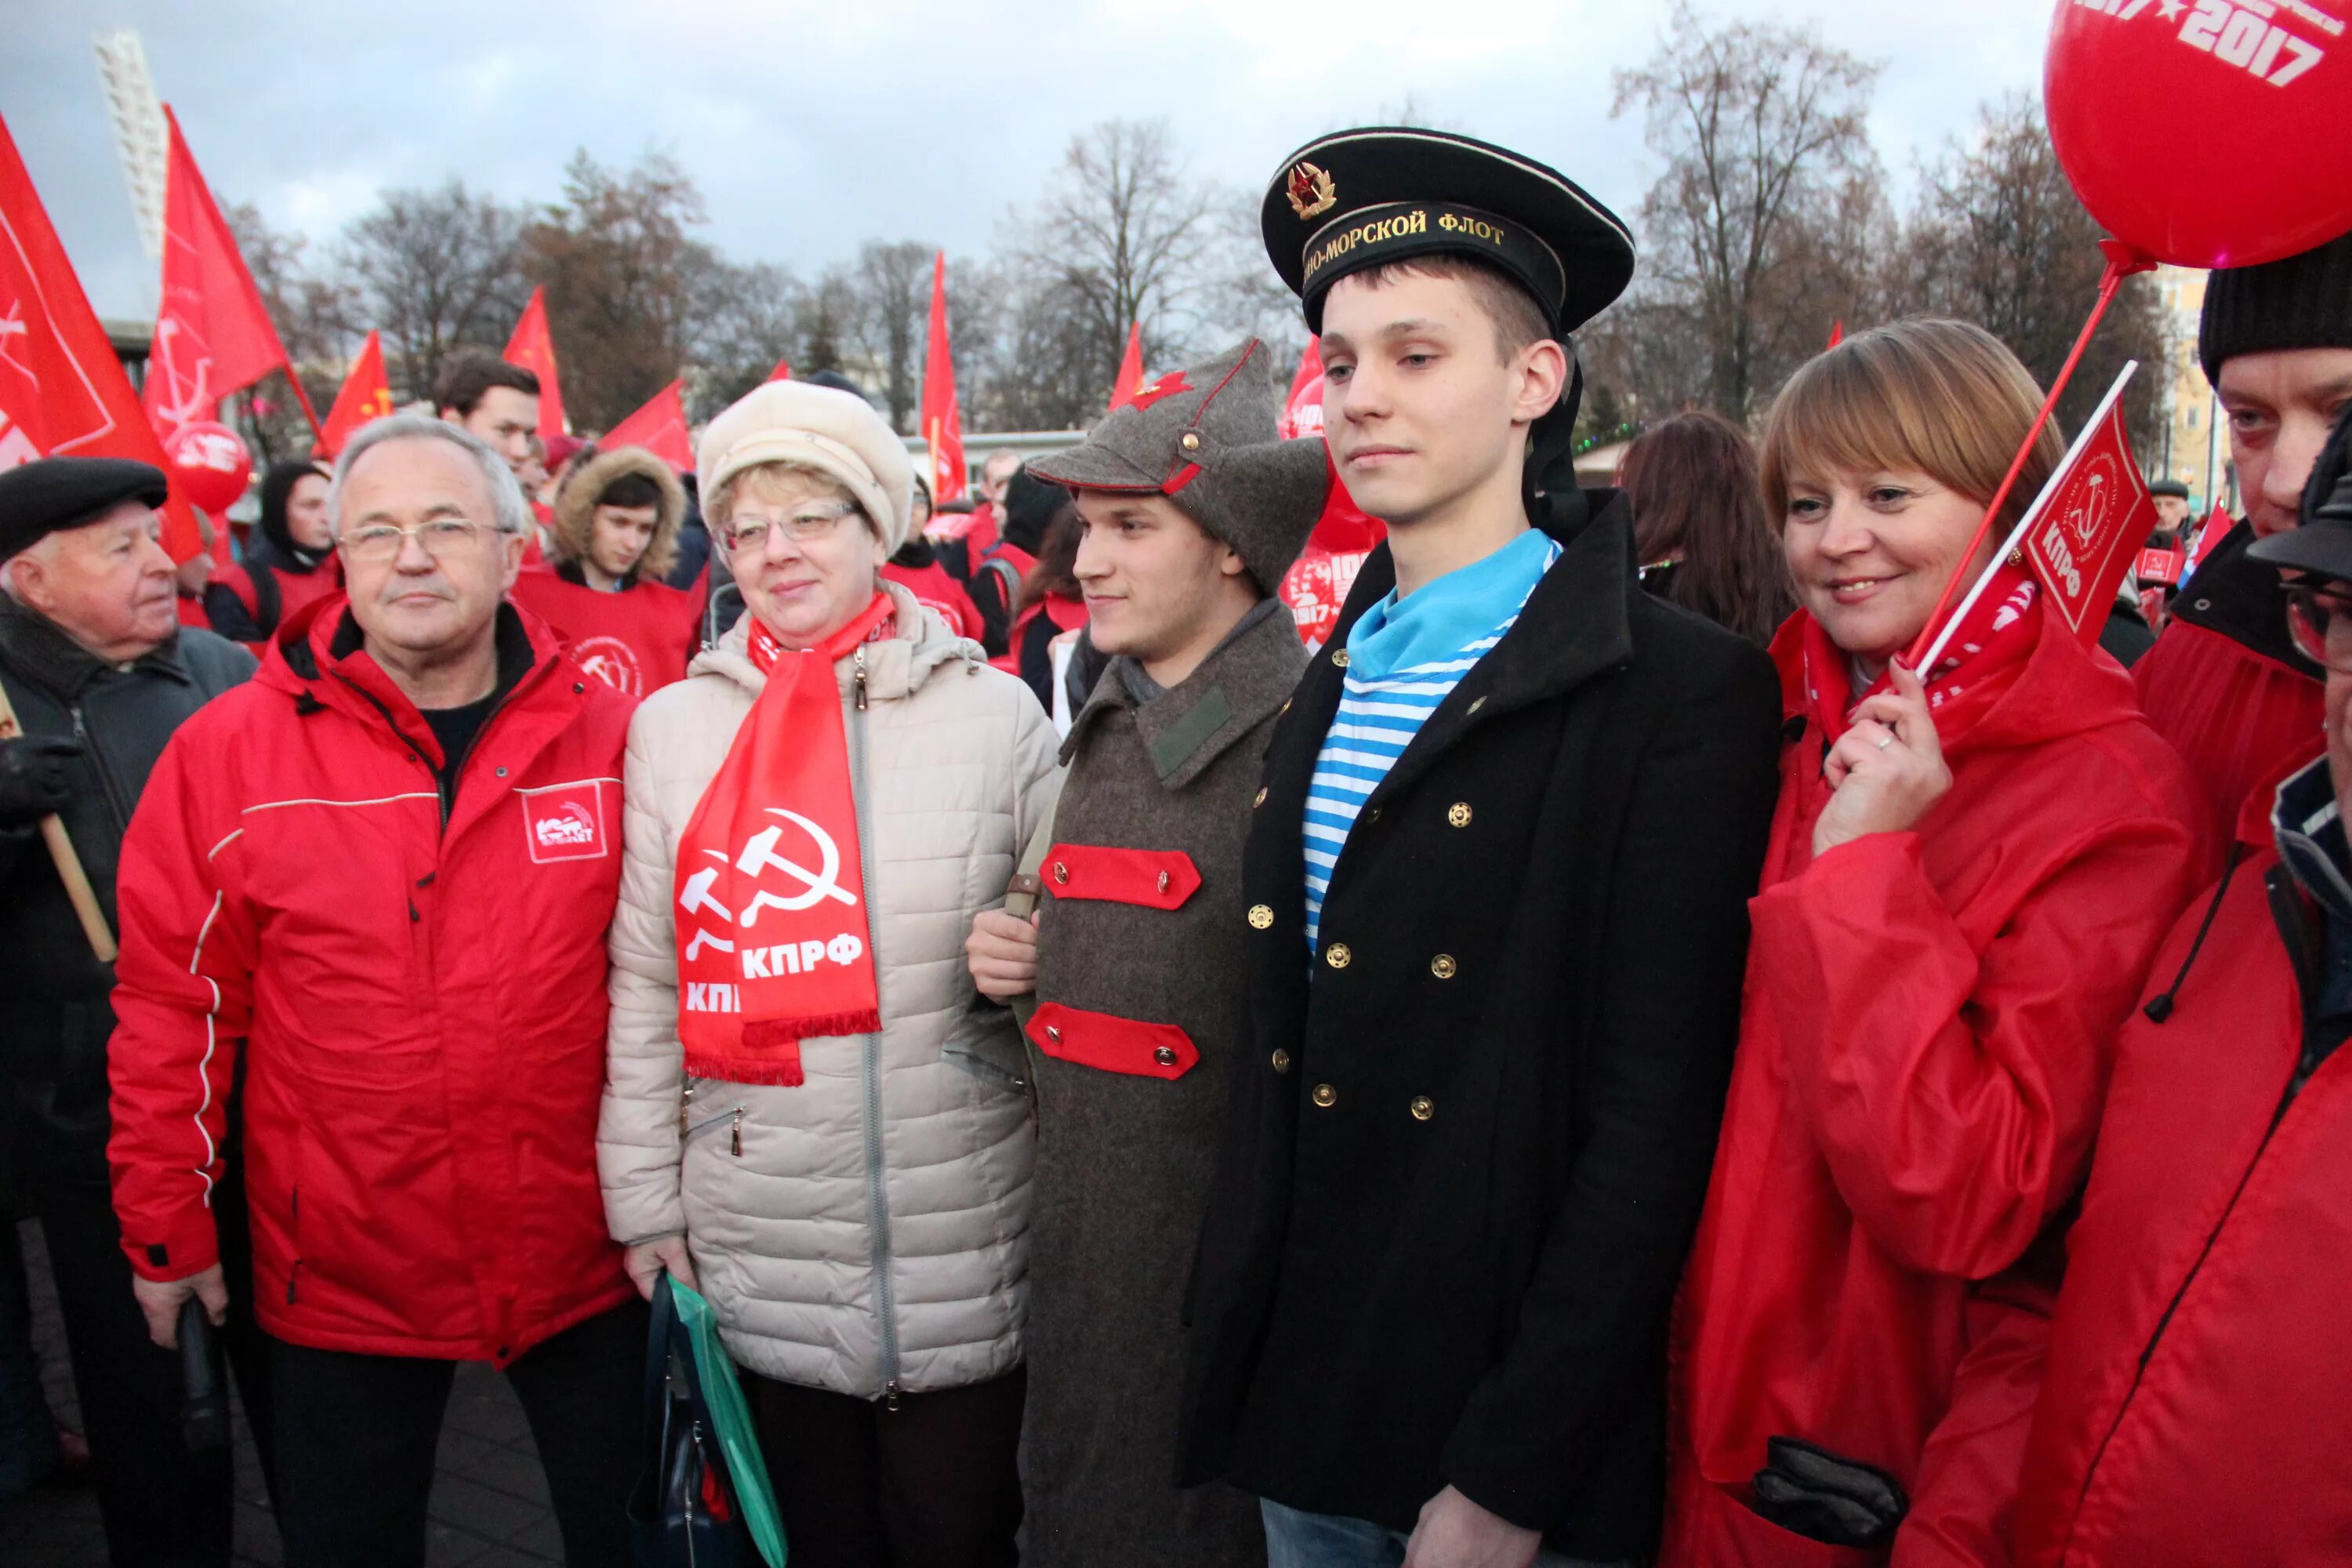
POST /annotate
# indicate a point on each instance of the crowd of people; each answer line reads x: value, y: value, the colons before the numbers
x: 1600, y: 1061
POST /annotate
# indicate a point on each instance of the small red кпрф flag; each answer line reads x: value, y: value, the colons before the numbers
x: 213, y: 334
x: 365, y: 395
x: 2216, y: 528
x: 532, y: 346
x: 2089, y: 521
x: 1129, y: 380
x: 943, y: 415
x: 62, y: 390
x: 660, y: 428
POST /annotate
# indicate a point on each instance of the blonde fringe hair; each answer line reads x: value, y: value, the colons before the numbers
x: 779, y: 484
x: 1940, y: 397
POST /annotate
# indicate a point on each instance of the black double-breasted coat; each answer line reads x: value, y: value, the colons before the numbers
x: 1461, y: 1172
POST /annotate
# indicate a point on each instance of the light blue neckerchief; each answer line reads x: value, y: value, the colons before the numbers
x: 1441, y: 619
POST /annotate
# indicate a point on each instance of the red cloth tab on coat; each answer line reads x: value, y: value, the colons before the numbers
x: 1112, y: 1044
x: 1155, y: 878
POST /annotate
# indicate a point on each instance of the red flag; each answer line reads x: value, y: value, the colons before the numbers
x: 2090, y: 520
x: 1302, y: 411
x: 62, y: 390
x: 1837, y: 332
x: 365, y: 395
x: 213, y: 334
x: 942, y: 417
x: 784, y: 370
x: 2217, y: 526
x: 533, y: 348
x: 660, y: 428
x: 1129, y: 380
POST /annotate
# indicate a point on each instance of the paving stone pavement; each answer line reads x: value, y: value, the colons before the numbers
x: 489, y: 1503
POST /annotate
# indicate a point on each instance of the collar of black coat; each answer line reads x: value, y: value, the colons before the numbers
x: 1196, y: 720
x: 38, y: 648
x: 2242, y: 599
x: 1573, y: 625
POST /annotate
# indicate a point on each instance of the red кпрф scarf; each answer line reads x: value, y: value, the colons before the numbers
x: 774, y: 940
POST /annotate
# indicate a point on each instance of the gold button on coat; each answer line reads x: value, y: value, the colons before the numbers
x: 1444, y: 966
x: 1339, y: 657
x: 1054, y: 1034
x: 1423, y: 1108
x: 1336, y: 955
x: 1281, y: 1059
x: 1326, y: 1096
x: 1261, y: 916
x: 1165, y: 1056
x: 1190, y: 441
x: 1458, y: 813
x: 1061, y: 872
x: 1259, y: 801
x: 1476, y: 706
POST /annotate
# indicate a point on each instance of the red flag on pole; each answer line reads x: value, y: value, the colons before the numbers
x: 1129, y: 380
x: 365, y: 395
x: 2084, y: 528
x: 784, y: 370
x: 2216, y: 528
x: 532, y: 346
x: 942, y: 417
x: 660, y: 428
x: 1837, y: 332
x: 213, y: 334
x: 62, y: 390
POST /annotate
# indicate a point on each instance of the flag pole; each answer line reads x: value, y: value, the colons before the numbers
x: 79, y: 892
x: 2032, y: 515
x: 2123, y: 261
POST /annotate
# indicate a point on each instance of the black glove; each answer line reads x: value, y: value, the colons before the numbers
x: 1811, y: 1492
x: 32, y: 781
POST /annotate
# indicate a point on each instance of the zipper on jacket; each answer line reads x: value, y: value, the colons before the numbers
x: 733, y: 1114
x: 114, y: 804
x: 877, y: 1193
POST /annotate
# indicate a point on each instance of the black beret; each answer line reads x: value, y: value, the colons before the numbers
x: 2172, y: 488
x: 40, y: 498
x: 1356, y: 199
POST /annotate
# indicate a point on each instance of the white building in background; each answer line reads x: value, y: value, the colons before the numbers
x: 2191, y: 446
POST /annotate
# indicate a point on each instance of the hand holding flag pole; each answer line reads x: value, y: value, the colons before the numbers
x: 2123, y: 261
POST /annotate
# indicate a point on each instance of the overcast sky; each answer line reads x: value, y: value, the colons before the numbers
x: 811, y: 127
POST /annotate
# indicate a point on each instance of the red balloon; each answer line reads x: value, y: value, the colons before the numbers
x: 210, y: 464
x: 2206, y: 133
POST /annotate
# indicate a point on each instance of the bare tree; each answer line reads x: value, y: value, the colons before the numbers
x: 1761, y: 128
x: 435, y: 271
x: 2001, y: 240
x: 746, y: 318
x: 890, y: 319
x: 315, y: 319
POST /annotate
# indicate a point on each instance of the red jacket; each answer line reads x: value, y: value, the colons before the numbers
x: 2198, y: 1403
x: 1922, y: 1056
x: 419, y: 1005
x: 637, y: 641
x: 938, y: 592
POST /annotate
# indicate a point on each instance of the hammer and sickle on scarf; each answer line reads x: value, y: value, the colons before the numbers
x: 759, y: 854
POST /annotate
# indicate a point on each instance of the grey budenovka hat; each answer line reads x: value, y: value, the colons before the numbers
x: 1204, y: 438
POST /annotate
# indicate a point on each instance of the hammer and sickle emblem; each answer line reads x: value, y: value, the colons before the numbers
x: 759, y: 854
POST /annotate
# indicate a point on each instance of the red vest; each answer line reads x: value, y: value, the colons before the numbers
x: 296, y: 590
x: 637, y: 641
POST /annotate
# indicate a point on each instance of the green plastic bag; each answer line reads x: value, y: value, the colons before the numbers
x: 690, y: 1376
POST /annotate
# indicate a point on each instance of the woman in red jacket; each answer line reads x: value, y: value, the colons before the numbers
x: 1965, y: 886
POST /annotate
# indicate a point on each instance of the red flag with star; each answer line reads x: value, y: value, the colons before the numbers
x: 213, y: 334
x: 532, y: 346
x: 660, y: 428
x: 365, y: 395
x: 942, y: 417
x: 62, y: 390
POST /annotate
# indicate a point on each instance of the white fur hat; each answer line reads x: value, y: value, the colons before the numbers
x: 838, y: 434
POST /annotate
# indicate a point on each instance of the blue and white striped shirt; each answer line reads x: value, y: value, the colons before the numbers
x: 1405, y: 658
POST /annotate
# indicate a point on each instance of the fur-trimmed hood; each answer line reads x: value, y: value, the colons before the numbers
x: 575, y: 509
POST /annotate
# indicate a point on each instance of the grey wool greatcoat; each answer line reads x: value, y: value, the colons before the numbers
x: 1129, y: 1114
x: 1471, y: 1132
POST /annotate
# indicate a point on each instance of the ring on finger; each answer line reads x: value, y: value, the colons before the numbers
x: 1884, y: 742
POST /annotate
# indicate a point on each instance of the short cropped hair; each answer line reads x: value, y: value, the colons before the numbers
x: 508, y: 509
x: 1518, y: 319
x: 467, y: 377
x: 1939, y: 397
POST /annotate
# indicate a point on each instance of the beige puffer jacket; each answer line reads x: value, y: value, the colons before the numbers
x: 867, y: 1232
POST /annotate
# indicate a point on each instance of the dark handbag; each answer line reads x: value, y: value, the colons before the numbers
x: 702, y: 1498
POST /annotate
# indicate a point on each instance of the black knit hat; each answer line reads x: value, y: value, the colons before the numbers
x: 2301, y: 302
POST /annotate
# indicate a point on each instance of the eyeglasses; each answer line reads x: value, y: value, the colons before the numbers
x: 2320, y: 621
x: 381, y: 542
x: 807, y: 526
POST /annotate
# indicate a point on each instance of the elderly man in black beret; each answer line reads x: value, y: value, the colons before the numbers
x: 98, y: 673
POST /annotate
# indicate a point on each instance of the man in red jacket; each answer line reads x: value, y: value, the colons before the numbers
x: 372, y: 886
x: 2196, y: 1400
x: 2222, y: 683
